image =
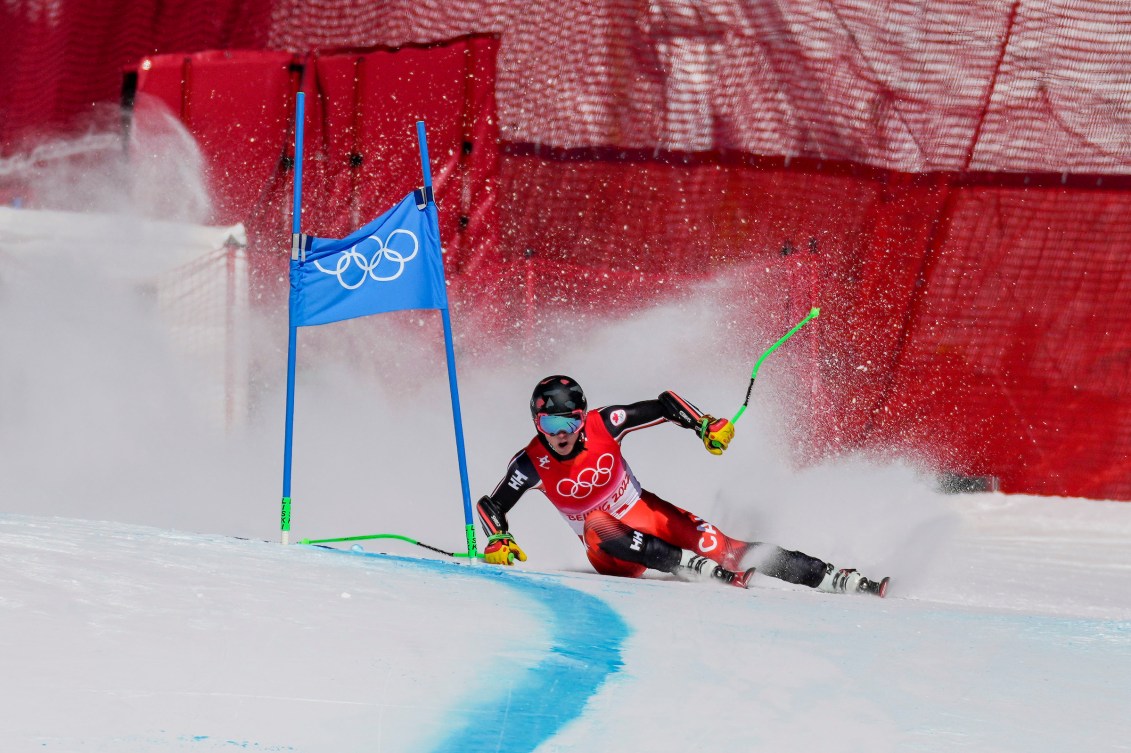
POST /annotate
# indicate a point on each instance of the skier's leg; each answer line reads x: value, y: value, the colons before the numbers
x: 615, y: 548
x: 787, y: 565
x: 606, y: 565
x: 685, y: 530
x: 800, y: 568
x: 658, y: 518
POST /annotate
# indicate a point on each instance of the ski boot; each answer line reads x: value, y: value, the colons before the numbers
x: 695, y: 567
x: 847, y: 580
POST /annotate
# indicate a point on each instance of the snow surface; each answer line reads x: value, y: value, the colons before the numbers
x: 132, y: 618
x: 128, y: 638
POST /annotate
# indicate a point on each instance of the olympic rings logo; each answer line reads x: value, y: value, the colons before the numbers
x: 368, y: 265
x: 588, y: 479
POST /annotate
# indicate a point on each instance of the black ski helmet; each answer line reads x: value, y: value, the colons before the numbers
x: 557, y: 395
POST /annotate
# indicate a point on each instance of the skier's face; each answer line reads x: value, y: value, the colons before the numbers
x: 562, y: 443
x: 561, y: 430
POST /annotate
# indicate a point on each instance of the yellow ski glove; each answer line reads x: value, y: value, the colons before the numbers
x: 716, y: 434
x: 502, y: 550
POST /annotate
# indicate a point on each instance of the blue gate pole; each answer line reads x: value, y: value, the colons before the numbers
x: 292, y: 335
x: 449, y: 350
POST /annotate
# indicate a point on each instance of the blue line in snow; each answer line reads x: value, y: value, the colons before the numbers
x: 586, y: 636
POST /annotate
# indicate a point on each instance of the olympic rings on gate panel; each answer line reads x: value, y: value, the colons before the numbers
x: 368, y: 265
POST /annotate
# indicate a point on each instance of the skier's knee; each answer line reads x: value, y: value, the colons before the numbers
x: 606, y: 565
x: 605, y: 533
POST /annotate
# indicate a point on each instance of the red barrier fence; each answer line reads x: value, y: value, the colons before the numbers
x: 947, y: 180
x: 360, y: 150
x: 977, y: 323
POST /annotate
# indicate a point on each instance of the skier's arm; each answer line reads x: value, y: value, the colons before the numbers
x: 716, y: 433
x: 680, y: 411
x: 493, y: 508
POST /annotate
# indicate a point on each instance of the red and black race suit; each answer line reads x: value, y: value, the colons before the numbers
x: 627, y: 529
x: 594, y: 476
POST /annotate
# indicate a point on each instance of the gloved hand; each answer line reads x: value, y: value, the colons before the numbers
x: 502, y: 550
x: 716, y: 434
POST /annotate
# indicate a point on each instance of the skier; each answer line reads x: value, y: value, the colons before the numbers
x: 575, y: 460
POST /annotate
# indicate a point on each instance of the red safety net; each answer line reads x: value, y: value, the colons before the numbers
x: 947, y: 180
x: 360, y: 144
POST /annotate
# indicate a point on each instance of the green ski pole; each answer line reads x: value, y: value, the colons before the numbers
x: 813, y: 314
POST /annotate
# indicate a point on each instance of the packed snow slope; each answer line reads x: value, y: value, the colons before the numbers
x: 127, y: 638
x: 134, y: 619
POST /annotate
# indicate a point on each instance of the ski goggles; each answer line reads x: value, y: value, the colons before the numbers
x: 552, y: 424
